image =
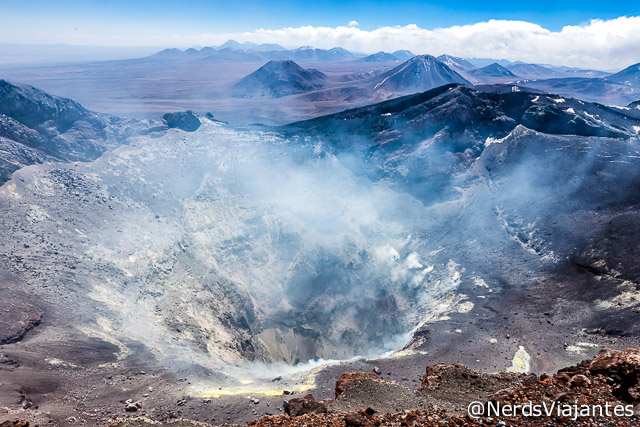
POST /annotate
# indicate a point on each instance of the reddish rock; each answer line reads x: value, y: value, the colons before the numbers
x: 436, y: 372
x: 361, y: 418
x: 349, y: 378
x: 306, y: 405
x: 623, y: 365
x: 502, y: 395
x: 579, y: 381
x: 15, y: 423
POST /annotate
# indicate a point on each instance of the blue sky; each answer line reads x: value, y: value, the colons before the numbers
x: 195, y: 16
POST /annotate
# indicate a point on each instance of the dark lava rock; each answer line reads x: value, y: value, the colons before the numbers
x: 306, y: 405
x: 131, y: 408
x: 185, y: 120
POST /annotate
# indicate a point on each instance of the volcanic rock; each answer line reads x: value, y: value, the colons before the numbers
x: 305, y: 405
x: 18, y: 315
x: 624, y: 365
x: 15, y: 423
x: 185, y: 120
x: 347, y: 379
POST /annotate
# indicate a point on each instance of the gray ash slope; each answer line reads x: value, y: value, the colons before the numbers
x: 36, y: 127
x: 556, y: 176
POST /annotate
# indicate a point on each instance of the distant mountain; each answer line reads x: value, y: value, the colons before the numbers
x: 577, y: 72
x: 418, y: 74
x: 311, y: 54
x: 598, y: 89
x: 458, y: 64
x: 36, y: 127
x: 169, y: 53
x: 403, y: 55
x: 532, y: 71
x: 483, y: 62
x: 276, y: 79
x: 233, y: 51
x: 240, y: 55
x: 492, y: 73
x: 266, y: 47
x: 380, y: 57
x: 630, y: 76
x: 207, y: 51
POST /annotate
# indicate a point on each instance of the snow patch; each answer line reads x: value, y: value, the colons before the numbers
x: 490, y: 140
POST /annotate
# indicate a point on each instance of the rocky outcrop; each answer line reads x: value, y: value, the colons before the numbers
x: 185, y: 120
x: 18, y: 315
x: 305, y: 405
x: 622, y: 367
x: 348, y: 379
x: 37, y: 127
x: 595, y: 382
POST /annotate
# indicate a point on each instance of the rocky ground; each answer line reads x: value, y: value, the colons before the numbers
x: 609, y: 384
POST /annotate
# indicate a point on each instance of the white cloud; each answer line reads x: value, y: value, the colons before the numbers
x: 604, y: 44
x: 353, y: 23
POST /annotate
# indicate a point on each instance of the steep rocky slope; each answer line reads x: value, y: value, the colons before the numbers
x: 36, y: 127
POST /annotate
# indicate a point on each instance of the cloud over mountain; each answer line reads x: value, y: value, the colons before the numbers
x: 596, y: 44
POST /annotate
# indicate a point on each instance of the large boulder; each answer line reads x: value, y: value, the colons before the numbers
x: 624, y: 368
x: 305, y: 405
x: 185, y: 120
